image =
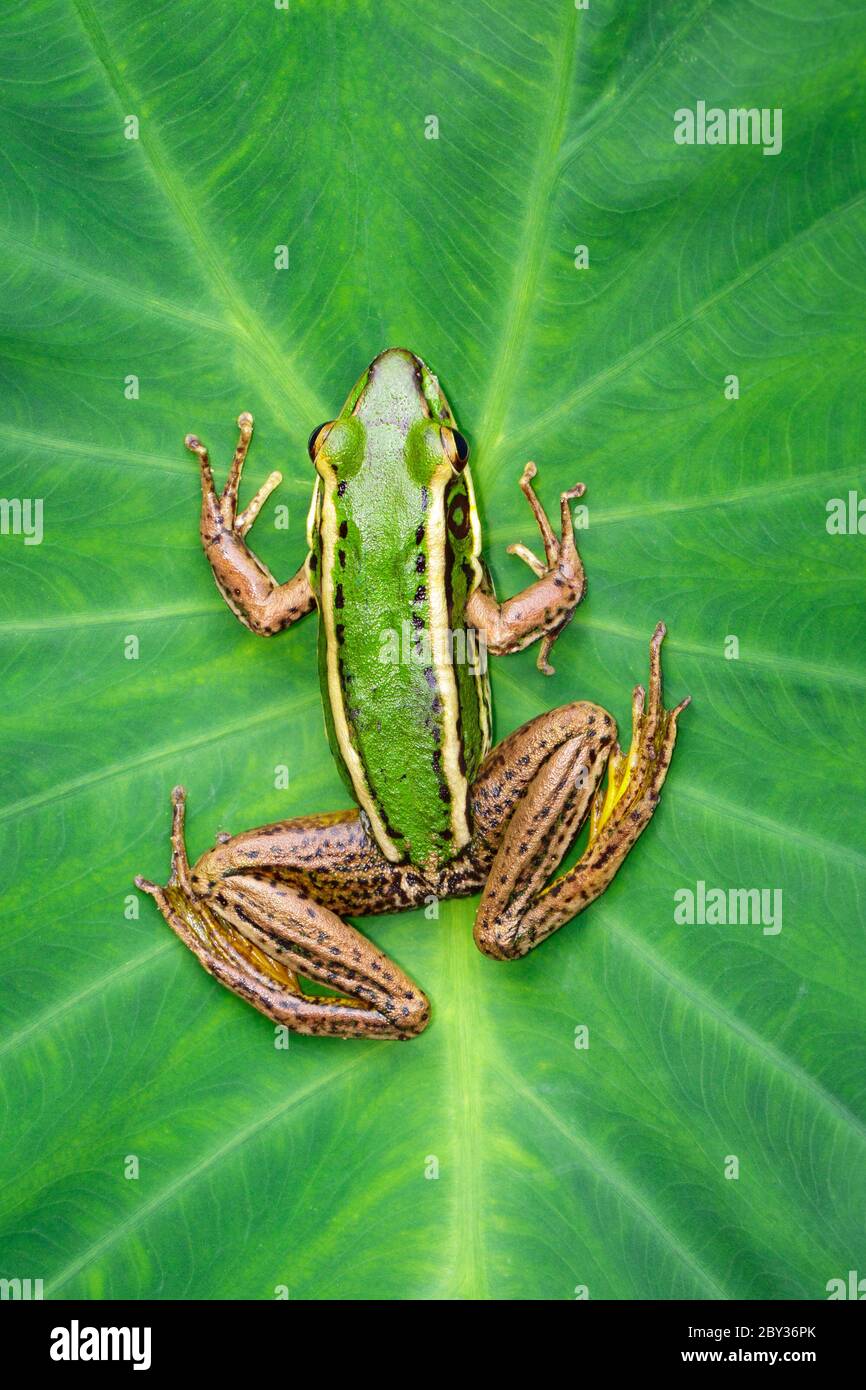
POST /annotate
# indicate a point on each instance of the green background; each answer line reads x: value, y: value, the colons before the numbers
x: 258, y: 128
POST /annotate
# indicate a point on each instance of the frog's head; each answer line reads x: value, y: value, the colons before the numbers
x: 396, y: 415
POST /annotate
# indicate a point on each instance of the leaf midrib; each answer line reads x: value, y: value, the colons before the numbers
x: 280, y: 367
x: 531, y: 243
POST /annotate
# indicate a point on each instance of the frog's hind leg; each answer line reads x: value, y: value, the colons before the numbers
x: 550, y: 772
x: 257, y: 934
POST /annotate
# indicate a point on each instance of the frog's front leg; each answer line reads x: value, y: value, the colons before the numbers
x: 534, y: 794
x: 247, y: 911
x: 247, y: 585
x: 546, y: 607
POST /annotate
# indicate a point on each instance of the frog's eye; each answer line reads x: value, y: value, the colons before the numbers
x: 314, y: 438
x: 461, y: 450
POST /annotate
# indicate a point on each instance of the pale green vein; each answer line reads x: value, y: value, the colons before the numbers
x: 595, y: 383
x: 780, y: 488
x: 707, y: 1005
x: 765, y: 825
x: 191, y: 1175
x: 62, y: 622
x: 466, y: 1097
x: 127, y: 293
x: 88, y: 780
x: 95, y: 988
x: 281, y: 367
x: 815, y: 672
x: 527, y: 263
x: 470, y: 1261
x: 89, y: 449
x: 601, y: 1165
x: 603, y: 114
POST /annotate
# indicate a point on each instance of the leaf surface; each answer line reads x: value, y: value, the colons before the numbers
x: 154, y: 258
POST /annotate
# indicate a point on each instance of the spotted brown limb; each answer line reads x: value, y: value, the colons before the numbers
x: 246, y: 584
x: 564, y: 756
x: 263, y: 911
x: 541, y: 611
x: 260, y: 932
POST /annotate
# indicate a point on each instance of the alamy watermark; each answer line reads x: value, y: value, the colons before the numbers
x: 703, y: 906
x: 22, y: 516
x: 21, y: 1289
x: 77, y: 1343
x: 851, y: 1287
x: 412, y: 646
x: 738, y: 125
x: 846, y: 516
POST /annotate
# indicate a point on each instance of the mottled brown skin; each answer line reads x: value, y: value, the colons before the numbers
x: 544, y: 609
x: 263, y: 911
x: 247, y: 585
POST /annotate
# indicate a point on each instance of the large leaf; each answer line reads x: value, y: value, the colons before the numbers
x: 154, y: 257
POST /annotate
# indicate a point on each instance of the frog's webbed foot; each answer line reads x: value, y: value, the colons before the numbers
x: 561, y: 558
x: 179, y: 876
x: 176, y: 898
x: 246, y: 584
x: 222, y: 507
x: 520, y: 907
x: 544, y: 608
x: 260, y: 936
x: 634, y: 781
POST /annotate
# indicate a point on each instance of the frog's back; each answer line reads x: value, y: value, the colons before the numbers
x: 394, y: 556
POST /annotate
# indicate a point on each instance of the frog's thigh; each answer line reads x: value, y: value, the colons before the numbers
x: 330, y: 857
x: 549, y: 774
x: 568, y: 745
x: 529, y: 803
x: 257, y: 932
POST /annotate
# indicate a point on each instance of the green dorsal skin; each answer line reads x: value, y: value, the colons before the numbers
x: 394, y: 557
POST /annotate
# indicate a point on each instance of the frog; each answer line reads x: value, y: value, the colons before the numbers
x: 408, y: 616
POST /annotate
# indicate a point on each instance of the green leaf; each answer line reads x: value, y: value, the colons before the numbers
x: 155, y: 258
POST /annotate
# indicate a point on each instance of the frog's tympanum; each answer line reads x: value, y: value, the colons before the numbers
x: 407, y: 614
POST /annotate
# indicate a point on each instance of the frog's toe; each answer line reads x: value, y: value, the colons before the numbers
x: 180, y: 876
x: 146, y: 886
x: 635, y: 781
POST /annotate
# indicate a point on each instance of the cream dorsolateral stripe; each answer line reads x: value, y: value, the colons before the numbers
x: 443, y: 667
x: 311, y: 514
x: 482, y: 680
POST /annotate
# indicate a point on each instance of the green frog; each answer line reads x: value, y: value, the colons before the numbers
x: 407, y: 617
